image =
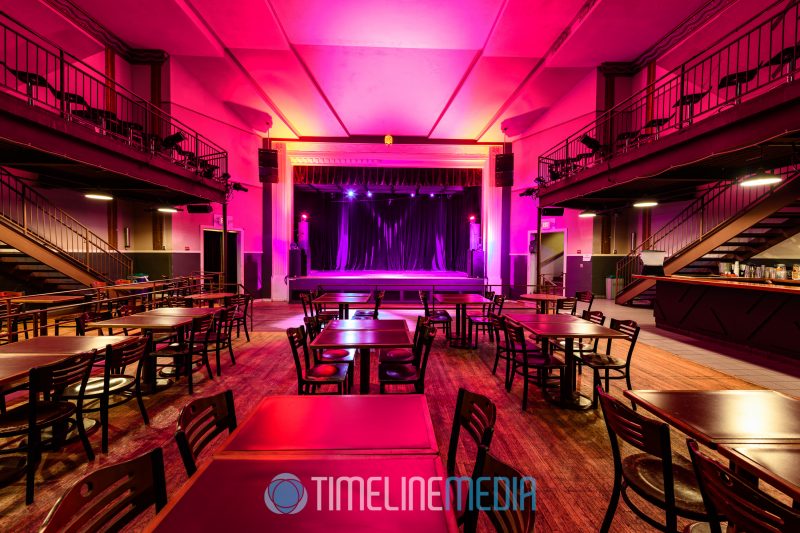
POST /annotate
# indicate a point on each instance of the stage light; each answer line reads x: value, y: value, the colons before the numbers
x: 238, y: 187
x: 369, y: 194
x: 303, y: 217
x: 98, y: 196
x: 759, y: 179
x: 172, y: 141
x: 472, y: 218
x: 351, y: 193
x: 413, y: 194
x: 587, y: 214
x: 167, y: 210
x: 432, y: 195
x: 645, y: 203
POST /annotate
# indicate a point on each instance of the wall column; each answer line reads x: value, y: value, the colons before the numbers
x: 282, y: 224
x: 491, y: 220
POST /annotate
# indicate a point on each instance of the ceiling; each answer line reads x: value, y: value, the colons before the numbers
x: 438, y: 69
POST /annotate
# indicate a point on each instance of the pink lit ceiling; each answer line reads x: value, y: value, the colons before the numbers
x: 441, y: 69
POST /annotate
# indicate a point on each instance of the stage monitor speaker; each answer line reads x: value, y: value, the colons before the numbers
x: 552, y: 211
x: 268, y: 166
x: 297, y: 262
x: 199, y: 208
x: 476, y: 264
x: 504, y: 170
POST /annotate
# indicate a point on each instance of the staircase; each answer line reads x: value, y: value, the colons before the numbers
x: 48, y: 247
x: 727, y: 222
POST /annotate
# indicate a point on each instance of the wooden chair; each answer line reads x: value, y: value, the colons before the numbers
x: 334, y: 355
x: 316, y: 310
x: 506, y: 515
x: 363, y: 314
x: 585, y: 297
x: 115, y: 387
x: 310, y: 378
x: 188, y: 356
x: 405, y: 355
x: 437, y: 317
x: 243, y: 304
x: 610, y: 366
x: 112, y: 497
x: 567, y: 306
x: 663, y: 480
x: 728, y: 496
x: 10, y: 319
x: 527, y: 359
x: 476, y: 415
x: 81, y: 328
x: 46, y: 408
x: 221, y: 336
x: 408, y: 373
x: 199, y: 423
x: 582, y: 346
x: 498, y: 332
x: 485, y: 322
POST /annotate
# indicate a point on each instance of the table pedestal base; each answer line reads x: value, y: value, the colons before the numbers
x: 574, y: 400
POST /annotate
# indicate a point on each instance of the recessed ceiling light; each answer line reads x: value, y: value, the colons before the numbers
x: 761, y: 179
x: 167, y: 210
x: 645, y: 203
x: 587, y: 214
x: 97, y: 196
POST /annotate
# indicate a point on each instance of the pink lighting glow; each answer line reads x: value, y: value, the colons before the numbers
x: 303, y: 217
x: 472, y: 218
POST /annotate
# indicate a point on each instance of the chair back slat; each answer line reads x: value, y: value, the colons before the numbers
x: 110, y: 498
x: 505, y: 514
x: 55, y: 377
x: 567, y: 304
x: 199, y: 422
x: 477, y: 415
x: 308, y: 307
x: 629, y: 328
x: 297, y: 341
x: 425, y: 351
x: 128, y: 354
x: 424, y: 297
x: 595, y: 317
x: 646, y: 434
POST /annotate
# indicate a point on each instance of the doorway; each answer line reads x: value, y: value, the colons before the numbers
x: 554, y: 261
x: 212, y: 253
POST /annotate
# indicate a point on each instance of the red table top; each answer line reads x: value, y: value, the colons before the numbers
x: 363, y: 338
x: 182, y: 311
x: 343, y: 298
x: 228, y: 494
x: 210, y: 295
x: 61, y: 346
x: 140, y: 320
x: 337, y: 425
x: 48, y: 300
x: 540, y: 318
x: 777, y: 464
x: 368, y: 324
x: 576, y: 328
x: 726, y: 416
x: 460, y: 299
x: 15, y: 370
x: 537, y: 297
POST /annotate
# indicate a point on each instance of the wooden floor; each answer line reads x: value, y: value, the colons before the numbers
x: 567, y: 452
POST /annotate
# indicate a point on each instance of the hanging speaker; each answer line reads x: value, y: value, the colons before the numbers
x: 198, y: 208
x: 504, y: 170
x: 268, y: 166
x: 552, y: 211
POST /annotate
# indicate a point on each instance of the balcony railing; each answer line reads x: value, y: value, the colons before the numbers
x: 761, y: 56
x: 38, y: 71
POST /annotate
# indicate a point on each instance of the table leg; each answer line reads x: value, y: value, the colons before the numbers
x: 43, y: 323
x: 568, y: 397
x: 364, y: 372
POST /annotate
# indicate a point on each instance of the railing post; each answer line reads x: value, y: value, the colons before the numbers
x: 86, y: 243
x: 61, y: 74
x: 681, y: 92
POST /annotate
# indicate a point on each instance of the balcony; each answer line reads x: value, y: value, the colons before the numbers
x: 62, y: 119
x: 717, y: 114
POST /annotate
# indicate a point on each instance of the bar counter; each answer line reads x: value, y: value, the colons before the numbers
x: 759, y: 314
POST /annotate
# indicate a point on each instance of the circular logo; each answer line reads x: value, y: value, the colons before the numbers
x: 285, y: 495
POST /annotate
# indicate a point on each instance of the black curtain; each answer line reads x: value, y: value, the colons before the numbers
x: 389, y: 233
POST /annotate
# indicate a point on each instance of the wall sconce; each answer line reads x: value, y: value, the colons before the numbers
x: 126, y: 236
x: 388, y: 140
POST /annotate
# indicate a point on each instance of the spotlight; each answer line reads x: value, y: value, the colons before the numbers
x: 238, y: 187
x: 167, y: 210
x: 760, y: 178
x: 587, y: 214
x: 413, y: 194
x: 303, y: 216
x: 369, y: 194
x: 98, y: 196
x: 645, y: 203
x: 351, y: 193
x: 432, y: 195
x: 472, y: 218
x: 171, y: 141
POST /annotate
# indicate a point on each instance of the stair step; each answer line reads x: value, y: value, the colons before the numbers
x: 33, y: 267
x: 18, y: 259
x: 49, y: 274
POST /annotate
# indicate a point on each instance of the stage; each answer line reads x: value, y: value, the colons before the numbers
x: 399, y: 286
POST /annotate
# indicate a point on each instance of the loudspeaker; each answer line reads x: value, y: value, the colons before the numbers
x: 504, y: 170
x: 552, y: 211
x: 199, y: 208
x: 267, y: 166
x: 297, y: 263
x: 476, y: 263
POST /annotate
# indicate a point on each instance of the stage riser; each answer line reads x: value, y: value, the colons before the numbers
x: 397, y: 290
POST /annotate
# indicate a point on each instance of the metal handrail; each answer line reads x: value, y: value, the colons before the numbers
x: 33, y: 215
x: 753, y: 62
x: 37, y: 70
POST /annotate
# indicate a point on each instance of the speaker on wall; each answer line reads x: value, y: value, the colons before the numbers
x: 198, y: 208
x: 267, y: 165
x: 504, y: 170
x: 552, y: 211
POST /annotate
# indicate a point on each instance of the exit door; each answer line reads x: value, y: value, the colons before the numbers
x: 212, y: 254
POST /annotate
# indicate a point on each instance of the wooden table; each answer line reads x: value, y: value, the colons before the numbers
x: 364, y: 340
x: 194, y: 312
x: 343, y: 299
x: 522, y: 317
x: 379, y: 324
x: 210, y: 297
x: 555, y: 327
x: 726, y: 416
x: 61, y: 346
x: 47, y: 300
x: 460, y: 301
x: 228, y: 494
x: 14, y: 370
x: 542, y: 300
x: 386, y: 424
x: 777, y: 464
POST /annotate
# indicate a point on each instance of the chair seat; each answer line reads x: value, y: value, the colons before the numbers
x: 645, y: 475
x: 599, y: 360
x: 170, y: 351
x: 481, y: 320
x: 337, y: 356
x: 16, y: 419
x: 94, y: 387
x: 586, y: 346
x: 397, y: 372
x: 440, y: 319
x: 501, y: 345
x: 327, y: 372
x: 537, y: 359
x: 396, y: 355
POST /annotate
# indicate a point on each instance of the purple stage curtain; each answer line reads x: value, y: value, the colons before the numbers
x: 387, y: 177
x: 396, y: 234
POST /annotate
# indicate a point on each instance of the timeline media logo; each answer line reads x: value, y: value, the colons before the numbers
x: 285, y: 494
